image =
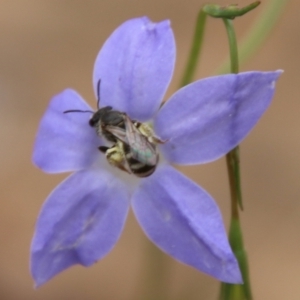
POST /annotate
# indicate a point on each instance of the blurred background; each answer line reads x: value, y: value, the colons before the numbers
x: 49, y: 45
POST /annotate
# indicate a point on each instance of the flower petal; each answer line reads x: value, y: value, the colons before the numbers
x: 79, y: 223
x: 206, y: 119
x: 184, y: 221
x: 65, y: 142
x: 135, y: 66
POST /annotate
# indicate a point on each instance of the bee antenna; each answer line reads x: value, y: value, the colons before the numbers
x: 77, y: 110
x: 98, y: 93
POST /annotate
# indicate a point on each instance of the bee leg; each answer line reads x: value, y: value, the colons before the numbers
x: 115, y: 157
x: 156, y: 140
x: 147, y: 131
x: 103, y: 149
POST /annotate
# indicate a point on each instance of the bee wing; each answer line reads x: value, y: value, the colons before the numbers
x: 118, y: 132
x: 141, y: 149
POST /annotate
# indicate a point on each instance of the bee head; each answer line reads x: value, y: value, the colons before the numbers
x: 98, y: 115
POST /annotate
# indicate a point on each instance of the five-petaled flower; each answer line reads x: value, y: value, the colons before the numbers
x: 83, y: 217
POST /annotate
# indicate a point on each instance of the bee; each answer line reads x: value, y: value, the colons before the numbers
x: 138, y: 145
x: 134, y: 144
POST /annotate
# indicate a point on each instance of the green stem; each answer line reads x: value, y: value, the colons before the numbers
x: 233, y: 168
x: 195, y: 50
x: 235, y: 291
x: 234, y: 59
x: 258, y: 33
x: 233, y: 156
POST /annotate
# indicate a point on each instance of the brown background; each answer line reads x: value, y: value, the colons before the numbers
x: 48, y: 45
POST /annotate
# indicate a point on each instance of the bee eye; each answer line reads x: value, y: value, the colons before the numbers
x: 92, y: 122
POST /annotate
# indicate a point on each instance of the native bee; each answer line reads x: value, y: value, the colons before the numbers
x: 134, y: 143
x: 138, y: 145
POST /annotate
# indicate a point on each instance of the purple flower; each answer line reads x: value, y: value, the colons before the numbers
x: 83, y: 217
